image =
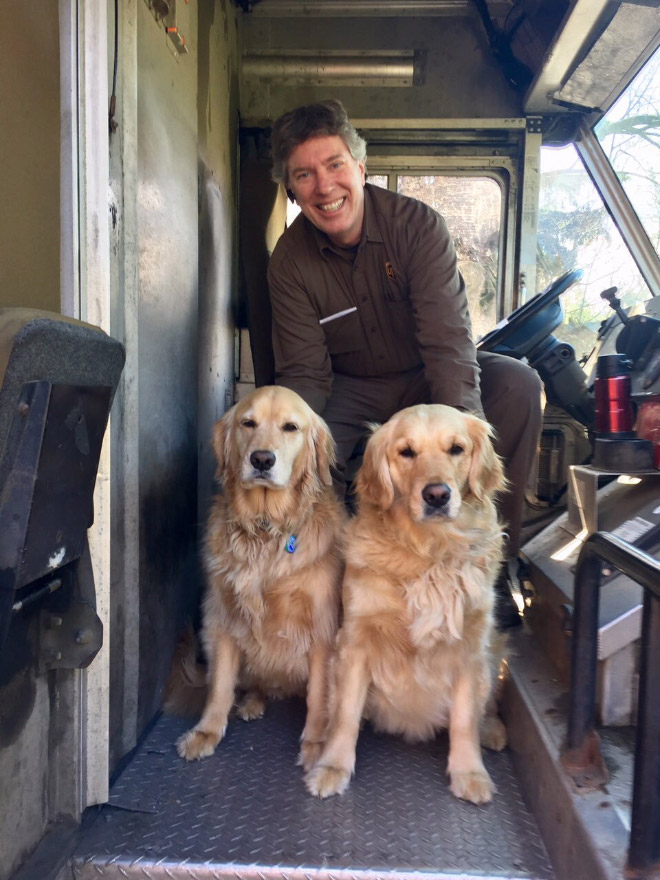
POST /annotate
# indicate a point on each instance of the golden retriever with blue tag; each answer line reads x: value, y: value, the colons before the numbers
x: 415, y: 653
x: 273, y: 570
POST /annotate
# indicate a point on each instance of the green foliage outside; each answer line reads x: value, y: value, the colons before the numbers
x: 574, y: 229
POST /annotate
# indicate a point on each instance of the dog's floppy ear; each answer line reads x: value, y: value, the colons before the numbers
x: 486, y: 474
x: 374, y: 482
x: 320, y: 454
x: 325, y: 452
x: 222, y: 439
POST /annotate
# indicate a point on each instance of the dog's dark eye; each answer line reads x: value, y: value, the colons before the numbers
x: 407, y: 452
x: 456, y: 449
x: 249, y: 423
x: 290, y: 426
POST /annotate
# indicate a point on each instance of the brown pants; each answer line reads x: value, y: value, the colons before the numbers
x: 511, y: 398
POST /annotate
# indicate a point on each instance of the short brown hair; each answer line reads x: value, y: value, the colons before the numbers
x: 327, y: 118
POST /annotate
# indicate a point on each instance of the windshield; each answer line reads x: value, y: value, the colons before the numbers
x: 629, y: 135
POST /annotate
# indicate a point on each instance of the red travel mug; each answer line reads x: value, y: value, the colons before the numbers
x: 614, y: 412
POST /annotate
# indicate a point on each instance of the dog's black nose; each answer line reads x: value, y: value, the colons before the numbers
x: 262, y: 459
x: 436, y: 494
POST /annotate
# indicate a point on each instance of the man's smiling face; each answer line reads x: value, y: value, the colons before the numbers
x: 328, y: 185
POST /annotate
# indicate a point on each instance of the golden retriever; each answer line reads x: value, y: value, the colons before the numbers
x: 414, y: 654
x: 273, y: 567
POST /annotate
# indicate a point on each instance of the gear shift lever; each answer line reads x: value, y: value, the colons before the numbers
x: 615, y: 303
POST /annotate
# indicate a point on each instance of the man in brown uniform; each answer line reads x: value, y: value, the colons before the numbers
x: 370, y: 313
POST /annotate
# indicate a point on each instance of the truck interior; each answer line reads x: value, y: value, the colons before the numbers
x: 136, y: 228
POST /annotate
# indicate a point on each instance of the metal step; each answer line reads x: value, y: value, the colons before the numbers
x: 244, y: 813
x: 586, y: 832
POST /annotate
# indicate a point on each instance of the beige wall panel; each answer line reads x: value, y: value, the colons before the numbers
x: 30, y: 156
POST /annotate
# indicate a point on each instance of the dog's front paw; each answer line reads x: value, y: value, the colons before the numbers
x: 325, y: 781
x: 310, y: 752
x: 475, y: 786
x: 492, y: 733
x: 251, y: 707
x: 197, y: 744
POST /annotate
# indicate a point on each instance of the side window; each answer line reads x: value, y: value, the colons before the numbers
x: 472, y: 209
x: 576, y: 232
x: 629, y: 135
x: 379, y: 180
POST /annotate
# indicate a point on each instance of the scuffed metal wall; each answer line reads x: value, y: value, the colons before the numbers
x: 173, y: 170
x: 167, y: 346
x: 217, y: 108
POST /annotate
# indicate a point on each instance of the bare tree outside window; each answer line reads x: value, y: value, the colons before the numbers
x: 471, y: 207
x: 574, y: 229
x: 630, y: 137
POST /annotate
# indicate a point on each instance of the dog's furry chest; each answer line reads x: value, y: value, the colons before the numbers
x: 411, y: 690
x: 432, y: 607
x: 438, y: 600
x: 435, y: 624
x: 272, y: 627
x: 259, y: 598
x: 274, y: 606
x: 413, y: 698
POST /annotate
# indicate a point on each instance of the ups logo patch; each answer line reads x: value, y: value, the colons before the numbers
x: 389, y: 268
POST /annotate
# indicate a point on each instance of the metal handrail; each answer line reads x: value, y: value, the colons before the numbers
x: 582, y: 756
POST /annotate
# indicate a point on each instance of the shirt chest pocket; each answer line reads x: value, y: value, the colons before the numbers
x: 343, y: 333
x: 393, y: 283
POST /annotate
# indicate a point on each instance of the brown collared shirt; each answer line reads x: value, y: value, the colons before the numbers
x: 395, y: 303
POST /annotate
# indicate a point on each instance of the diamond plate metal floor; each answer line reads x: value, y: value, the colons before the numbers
x: 244, y: 813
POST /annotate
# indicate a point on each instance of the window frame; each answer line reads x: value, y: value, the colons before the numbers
x: 503, y: 170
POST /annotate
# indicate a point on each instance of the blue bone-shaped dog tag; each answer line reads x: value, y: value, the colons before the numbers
x: 291, y: 544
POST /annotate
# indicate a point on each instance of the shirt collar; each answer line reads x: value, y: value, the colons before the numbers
x: 370, y: 229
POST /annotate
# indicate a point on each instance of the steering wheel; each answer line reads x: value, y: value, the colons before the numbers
x: 491, y: 341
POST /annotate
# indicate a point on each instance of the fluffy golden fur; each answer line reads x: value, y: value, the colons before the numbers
x: 269, y: 616
x: 414, y: 654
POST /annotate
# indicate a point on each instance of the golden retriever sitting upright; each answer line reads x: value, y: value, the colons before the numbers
x: 414, y: 651
x: 273, y: 567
